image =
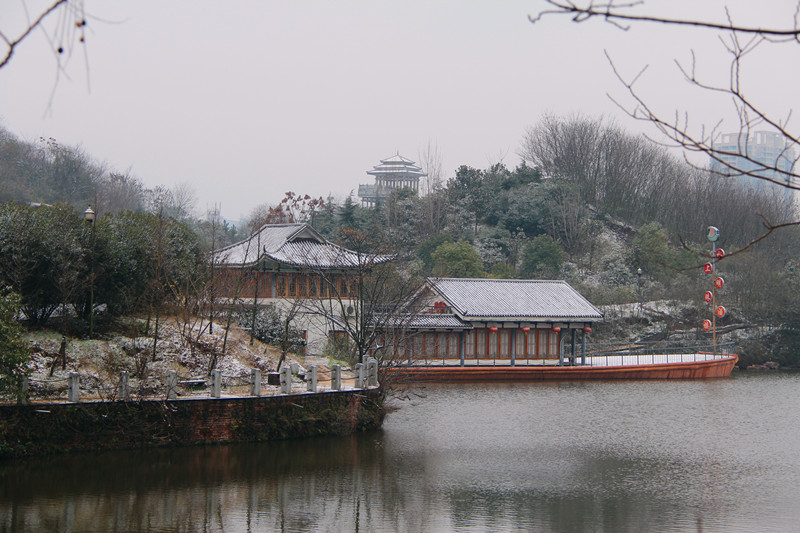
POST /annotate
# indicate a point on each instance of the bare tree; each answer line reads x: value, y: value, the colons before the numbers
x: 739, y: 41
x: 292, y: 208
x: 365, y: 299
x: 119, y: 192
x: 435, y: 201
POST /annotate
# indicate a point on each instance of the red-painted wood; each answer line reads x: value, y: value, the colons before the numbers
x: 718, y: 368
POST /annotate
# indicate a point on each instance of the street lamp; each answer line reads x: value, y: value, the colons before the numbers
x: 639, y: 287
x: 89, y: 216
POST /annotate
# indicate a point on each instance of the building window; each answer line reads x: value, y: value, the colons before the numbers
x: 553, y: 344
x: 469, y: 344
x: 292, y: 286
x: 313, y: 286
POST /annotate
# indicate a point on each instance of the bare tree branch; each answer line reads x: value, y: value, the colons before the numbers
x: 739, y: 42
x: 13, y: 44
x: 612, y: 14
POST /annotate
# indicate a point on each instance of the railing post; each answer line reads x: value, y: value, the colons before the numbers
x: 372, y: 372
x: 216, y: 383
x: 336, y: 377
x: 255, y: 382
x: 286, y: 379
x: 25, y: 386
x: 124, y: 386
x: 311, y: 378
x: 74, y: 387
x: 358, y: 372
x: 172, y: 385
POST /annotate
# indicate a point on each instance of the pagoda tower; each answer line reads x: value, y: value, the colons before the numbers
x: 393, y: 173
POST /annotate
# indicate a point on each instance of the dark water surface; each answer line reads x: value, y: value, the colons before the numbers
x: 717, y: 455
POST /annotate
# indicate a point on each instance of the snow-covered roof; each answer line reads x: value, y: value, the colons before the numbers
x: 514, y: 299
x: 293, y: 244
x: 427, y: 321
x: 397, y: 164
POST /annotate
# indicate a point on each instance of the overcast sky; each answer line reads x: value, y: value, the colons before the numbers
x: 248, y: 100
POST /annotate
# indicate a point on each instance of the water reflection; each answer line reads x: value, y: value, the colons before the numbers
x: 637, y: 456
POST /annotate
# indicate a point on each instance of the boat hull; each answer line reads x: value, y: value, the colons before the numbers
x: 716, y: 368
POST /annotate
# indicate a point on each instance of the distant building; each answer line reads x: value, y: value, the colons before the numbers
x: 756, y: 150
x: 284, y: 264
x: 519, y: 320
x: 393, y: 173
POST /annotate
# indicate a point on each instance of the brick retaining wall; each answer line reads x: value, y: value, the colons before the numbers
x: 62, y: 427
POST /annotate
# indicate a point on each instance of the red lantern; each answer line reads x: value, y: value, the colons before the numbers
x: 721, y: 311
x: 526, y: 329
x: 707, y: 325
x: 708, y: 296
x: 557, y: 329
x: 720, y: 253
x: 719, y: 282
x: 587, y: 329
x: 708, y: 268
x: 493, y: 329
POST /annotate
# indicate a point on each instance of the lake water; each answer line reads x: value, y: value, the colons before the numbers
x: 717, y: 455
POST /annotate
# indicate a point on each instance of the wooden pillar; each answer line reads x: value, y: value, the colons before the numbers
x: 513, y: 347
x: 583, y: 348
x: 572, y: 349
x: 462, y: 345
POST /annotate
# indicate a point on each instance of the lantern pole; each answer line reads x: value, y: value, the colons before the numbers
x: 716, y: 283
x: 714, y: 296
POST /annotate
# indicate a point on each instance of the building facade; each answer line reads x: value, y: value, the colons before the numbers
x: 745, y: 156
x: 506, y: 320
x: 287, y: 266
x: 391, y: 174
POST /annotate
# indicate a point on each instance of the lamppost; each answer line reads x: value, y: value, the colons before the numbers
x: 89, y: 216
x: 639, y: 288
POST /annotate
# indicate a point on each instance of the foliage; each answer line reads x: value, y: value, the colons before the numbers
x: 14, y: 353
x: 271, y: 327
x: 650, y: 249
x: 542, y: 258
x: 55, y: 259
x: 502, y: 271
x: 428, y: 246
x: 457, y: 260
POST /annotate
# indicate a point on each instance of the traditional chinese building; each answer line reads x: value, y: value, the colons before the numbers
x: 494, y: 319
x: 393, y: 173
x: 283, y: 264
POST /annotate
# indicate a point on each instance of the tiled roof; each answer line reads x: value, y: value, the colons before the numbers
x: 427, y: 321
x: 397, y: 164
x: 498, y: 299
x: 293, y: 244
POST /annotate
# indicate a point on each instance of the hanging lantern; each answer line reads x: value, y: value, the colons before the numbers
x: 720, y: 253
x: 493, y: 329
x: 708, y: 268
x: 708, y: 296
x: 719, y: 282
x: 721, y: 311
x: 557, y: 329
x: 526, y: 329
x: 707, y: 325
x: 587, y: 329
